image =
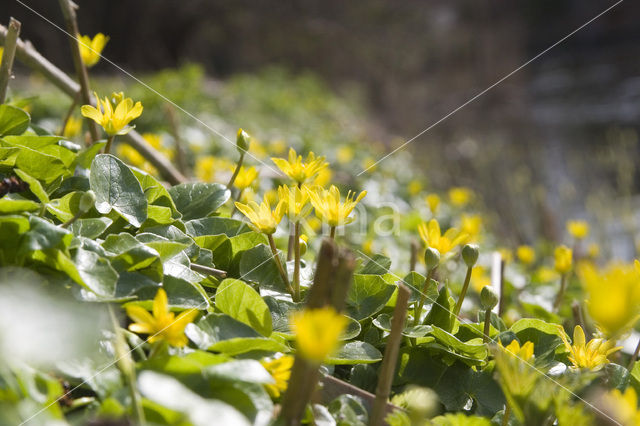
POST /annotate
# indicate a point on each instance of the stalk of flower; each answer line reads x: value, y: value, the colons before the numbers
x: 470, y: 254
x: 297, y: 207
x: 563, y: 263
x: 330, y: 210
x: 265, y: 220
x: 244, y: 179
x: 298, y: 170
x: 161, y: 325
x: 113, y: 114
x: 91, y: 48
x: 242, y: 145
x: 488, y: 300
x: 590, y: 355
x: 432, y: 260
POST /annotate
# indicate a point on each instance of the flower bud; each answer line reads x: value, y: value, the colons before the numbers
x: 303, y: 244
x: 87, y: 201
x: 242, y: 141
x: 431, y: 258
x: 488, y: 298
x: 470, y: 254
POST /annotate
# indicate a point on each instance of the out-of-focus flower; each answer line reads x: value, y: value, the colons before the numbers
x: 245, y: 177
x: 480, y: 278
x: 280, y: 370
x: 323, y: 178
x: 72, y: 128
x: 623, y: 406
x: 209, y: 168
x: 460, y: 196
x: 414, y: 187
x: 444, y: 243
x: 344, y: 154
x: 298, y: 170
x: 261, y: 216
x: 113, y: 117
x: 578, y: 229
x: 257, y: 149
x: 613, y: 296
x: 91, y: 48
x: 563, y: 256
x: 506, y: 254
x: 369, y: 164
x: 330, y: 209
x: 591, y: 355
x: 593, y: 251
x: 277, y: 146
x: 162, y: 324
x: 526, y: 255
x: 296, y: 202
x: 433, y: 201
x: 317, y: 332
x: 133, y: 157
x: 546, y: 274
x: 471, y: 225
x: 524, y: 352
x: 1, y: 53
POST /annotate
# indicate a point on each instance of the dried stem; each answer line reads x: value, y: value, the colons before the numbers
x: 463, y: 293
x: 501, y: 303
x: 413, y: 261
x: 174, y: 125
x: 387, y: 370
x: 578, y: 318
x: 332, y: 232
x: 218, y: 273
x: 71, y: 21
x: 634, y: 357
x: 560, y: 296
x: 69, y: 113
x: 7, y: 57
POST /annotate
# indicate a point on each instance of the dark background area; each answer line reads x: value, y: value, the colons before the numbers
x: 537, y: 146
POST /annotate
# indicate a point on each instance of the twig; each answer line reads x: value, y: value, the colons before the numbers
x: 296, y: 261
x: 7, y: 57
x: 175, y: 132
x: 501, y: 304
x: 69, y: 113
x: 390, y: 358
x: 208, y: 271
x: 413, y: 260
x: 71, y: 21
x: 28, y: 55
x: 560, y: 297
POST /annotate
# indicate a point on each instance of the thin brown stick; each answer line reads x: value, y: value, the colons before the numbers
x: 634, y: 357
x: 388, y: 368
x: 219, y: 273
x: 281, y: 270
x: 174, y: 125
x: 413, y: 260
x: 7, y: 57
x: 501, y: 303
x: 28, y: 55
x: 578, y: 318
x: 69, y: 113
x: 71, y: 21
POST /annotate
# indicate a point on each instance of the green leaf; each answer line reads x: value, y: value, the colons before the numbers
x: 191, y: 363
x: 117, y: 188
x: 181, y: 294
x: 66, y: 207
x: 348, y: 410
x: 13, y: 120
x: 34, y: 185
x: 377, y: 265
x: 90, y: 228
x: 14, y: 204
x: 368, y: 295
x: 415, y: 282
x: 259, y: 265
x: 544, y: 336
x: 244, y: 370
x: 216, y: 226
x: 96, y: 272
x: 474, y: 348
x: 355, y: 353
x: 44, y: 235
x: 198, y: 200
x: 441, y: 313
x: 243, y: 303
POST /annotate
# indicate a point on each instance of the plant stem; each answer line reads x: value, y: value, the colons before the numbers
x: 7, y: 58
x: 487, y: 326
x: 388, y: 367
x: 501, y: 303
x: 579, y: 319
x: 332, y: 232
x: 175, y: 132
x: 68, y: 115
x: 237, y: 170
x: 560, y: 296
x: 107, y: 147
x: 283, y: 272
x: 463, y: 293
x: 69, y: 13
x: 218, y: 273
x: 413, y: 260
x: 506, y: 414
x: 296, y: 261
x: 417, y: 311
x: 634, y: 357
x: 75, y: 217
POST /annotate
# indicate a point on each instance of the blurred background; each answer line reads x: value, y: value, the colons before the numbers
x: 557, y: 140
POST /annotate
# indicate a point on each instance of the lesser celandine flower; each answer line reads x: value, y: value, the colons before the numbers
x: 444, y: 243
x: 344, y: 154
x: 298, y: 170
x: 330, y: 209
x: 623, y: 406
x: 162, y: 325
x: 524, y: 352
x: 591, y: 355
x: 261, y: 216
x: 526, y: 255
x: 91, y: 48
x: 433, y: 201
x: 460, y: 196
x: 613, y: 296
x: 563, y: 256
x: 322, y: 178
x: 296, y: 202
x: 113, y: 117
x: 318, y: 332
x: 245, y: 177
x: 72, y: 128
x: 280, y: 370
x: 578, y: 229
x: 471, y: 225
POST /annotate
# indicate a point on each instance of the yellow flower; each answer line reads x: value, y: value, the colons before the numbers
x: 162, y: 325
x: 114, y: 118
x: 613, y: 296
x: 578, y: 229
x: 328, y: 207
x: 280, y: 370
x: 460, y: 196
x: 563, y: 259
x: 344, y: 154
x: 298, y: 170
x: 90, y: 49
x: 317, y: 332
x: 444, y: 243
x: 593, y: 250
x: 296, y: 202
x: 480, y: 278
x: 72, y: 128
x: 369, y: 164
x: 592, y: 355
x: 546, y: 274
x: 245, y: 177
x: 134, y: 158
x: 433, y: 201
x: 471, y: 225
x: 414, y: 187
x: 277, y: 146
x: 624, y: 406
x: 261, y: 216
x: 1, y: 53
x: 524, y: 352
x: 526, y: 255
x: 323, y: 178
